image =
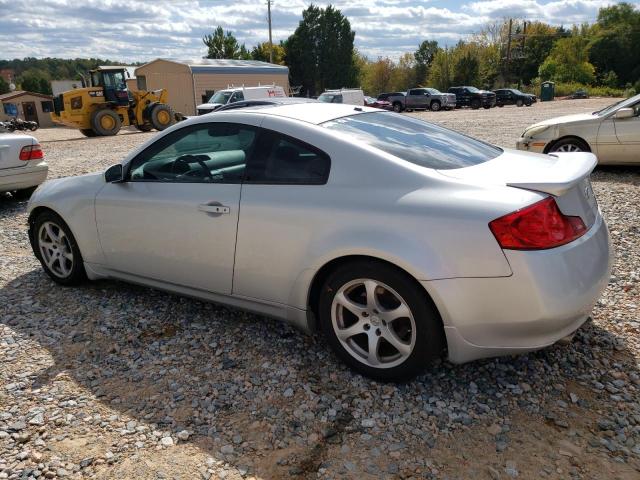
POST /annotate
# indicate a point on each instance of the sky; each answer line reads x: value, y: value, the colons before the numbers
x: 141, y: 30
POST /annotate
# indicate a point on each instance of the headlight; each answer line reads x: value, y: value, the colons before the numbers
x: 533, y: 131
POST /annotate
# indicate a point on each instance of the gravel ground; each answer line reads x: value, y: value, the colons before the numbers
x: 114, y: 381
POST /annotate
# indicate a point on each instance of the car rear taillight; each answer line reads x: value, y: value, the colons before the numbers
x: 536, y: 227
x: 31, y: 152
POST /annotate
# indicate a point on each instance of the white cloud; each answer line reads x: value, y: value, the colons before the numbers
x: 142, y: 30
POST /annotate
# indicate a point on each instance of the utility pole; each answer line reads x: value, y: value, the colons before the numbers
x: 270, y: 40
x: 509, y: 49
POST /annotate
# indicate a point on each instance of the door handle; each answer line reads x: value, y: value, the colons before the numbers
x: 221, y: 209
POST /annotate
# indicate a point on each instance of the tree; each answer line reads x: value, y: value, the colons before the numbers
x: 378, y: 76
x: 569, y: 61
x: 320, y: 52
x: 614, y: 42
x: 467, y: 65
x: 4, y: 86
x: 404, y: 73
x: 440, y: 73
x: 224, y: 45
x: 35, y: 81
x: 423, y: 57
x: 261, y: 52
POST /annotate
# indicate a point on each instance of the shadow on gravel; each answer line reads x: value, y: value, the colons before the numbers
x: 256, y: 393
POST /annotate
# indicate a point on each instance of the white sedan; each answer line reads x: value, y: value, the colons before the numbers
x: 401, y: 240
x: 612, y: 133
x: 22, y: 165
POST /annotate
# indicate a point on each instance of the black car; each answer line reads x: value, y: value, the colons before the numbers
x: 513, y: 96
x: 473, y: 97
x: 578, y: 95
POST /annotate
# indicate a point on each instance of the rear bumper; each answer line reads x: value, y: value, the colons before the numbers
x: 23, y: 177
x: 549, y: 296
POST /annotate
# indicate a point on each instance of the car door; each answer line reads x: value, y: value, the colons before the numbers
x: 174, y: 218
x: 283, y: 201
x: 628, y: 135
x: 415, y: 98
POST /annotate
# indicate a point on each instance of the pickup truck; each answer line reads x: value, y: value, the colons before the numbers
x: 421, y: 99
x: 473, y: 97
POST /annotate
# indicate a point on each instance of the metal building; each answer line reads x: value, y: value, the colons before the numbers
x: 192, y: 82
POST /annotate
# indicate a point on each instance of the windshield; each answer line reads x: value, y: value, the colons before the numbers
x: 330, y: 98
x: 221, y: 97
x: 433, y: 91
x: 415, y: 141
x: 472, y: 89
x: 517, y: 92
x: 621, y: 104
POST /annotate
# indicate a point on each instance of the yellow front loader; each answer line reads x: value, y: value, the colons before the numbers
x: 106, y: 105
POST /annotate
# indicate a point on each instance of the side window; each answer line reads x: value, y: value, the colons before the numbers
x: 285, y: 160
x: 202, y: 153
x: 337, y: 99
x: 141, y: 80
x: 414, y: 92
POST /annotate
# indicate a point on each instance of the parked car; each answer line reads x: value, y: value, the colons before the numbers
x: 375, y: 103
x: 512, y: 96
x: 352, y: 96
x: 422, y: 99
x: 238, y: 94
x: 265, y: 102
x: 398, y: 239
x: 473, y: 97
x: 22, y: 165
x: 578, y: 95
x: 612, y: 133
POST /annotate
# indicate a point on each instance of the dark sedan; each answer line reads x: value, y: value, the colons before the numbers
x: 512, y: 96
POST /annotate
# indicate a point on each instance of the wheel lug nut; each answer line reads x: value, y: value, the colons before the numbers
x: 366, y: 326
x: 365, y: 314
x: 378, y: 332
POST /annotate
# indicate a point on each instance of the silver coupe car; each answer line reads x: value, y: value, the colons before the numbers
x: 612, y: 133
x: 401, y: 240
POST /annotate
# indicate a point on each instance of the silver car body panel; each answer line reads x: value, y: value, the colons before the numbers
x: 432, y: 224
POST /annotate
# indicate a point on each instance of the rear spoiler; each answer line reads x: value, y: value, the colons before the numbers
x: 570, y: 169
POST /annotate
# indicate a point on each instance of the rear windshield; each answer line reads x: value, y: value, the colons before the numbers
x: 416, y: 141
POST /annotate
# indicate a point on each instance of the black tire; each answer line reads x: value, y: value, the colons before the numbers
x: 435, y: 105
x: 429, y: 335
x: 145, y: 128
x: 397, y: 107
x: 500, y: 106
x: 162, y: 116
x: 487, y: 107
x: 105, y: 122
x: 519, y: 102
x: 76, y: 273
x: 475, y: 104
x: 528, y: 103
x: 88, y: 132
x: 24, y: 194
x: 565, y: 144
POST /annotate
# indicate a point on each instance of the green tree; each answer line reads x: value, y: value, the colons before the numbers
x: 467, y: 66
x: 320, y: 52
x: 615, y: 42
x: 441, y: 72
x: 423, y: 57
x: 261, y: 52
x: 569, y: 61
x: 35, y: 81
x: 4, y: 86
x: 378, y: 76
x: 224, y: 45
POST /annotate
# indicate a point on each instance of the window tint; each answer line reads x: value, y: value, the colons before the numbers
x: 203, y: 153
x: 284, y: 160
x: 418, y: 142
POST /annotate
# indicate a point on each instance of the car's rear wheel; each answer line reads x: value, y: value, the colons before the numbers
x: 475, y: 104
x: 570, y: 145
x: 397, y: 107
x: 57, y: 249
x: 379, y: 322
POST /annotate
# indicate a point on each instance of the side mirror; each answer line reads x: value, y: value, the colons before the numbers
x: 624, y: 113
x: 114, y: 174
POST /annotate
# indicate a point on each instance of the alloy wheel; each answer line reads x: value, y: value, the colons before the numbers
x: 373, y: 323
x: 55, y: 249
x: 568, y: 147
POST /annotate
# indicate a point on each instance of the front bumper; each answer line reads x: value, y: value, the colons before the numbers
x: 20, y: 178
x: 549, y: 296
x: 531, y: 145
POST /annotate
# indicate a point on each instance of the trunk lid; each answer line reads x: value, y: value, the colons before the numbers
x: 10, y: 146
x: 563, y: 175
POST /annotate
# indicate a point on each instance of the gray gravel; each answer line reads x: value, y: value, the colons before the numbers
x: 115, y: 381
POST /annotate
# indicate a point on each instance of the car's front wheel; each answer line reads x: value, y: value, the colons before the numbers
x: 379, y: 321
x: 569, y: 145
x: 57, y: 249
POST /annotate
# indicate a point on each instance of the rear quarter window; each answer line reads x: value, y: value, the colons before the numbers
x: 415, y: 141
